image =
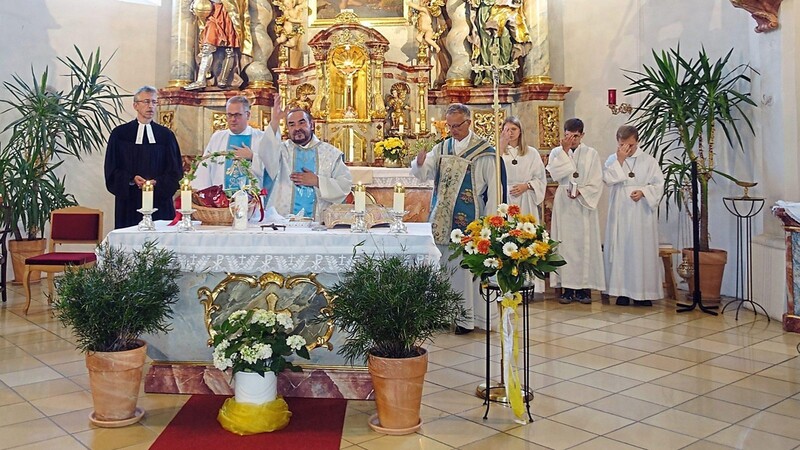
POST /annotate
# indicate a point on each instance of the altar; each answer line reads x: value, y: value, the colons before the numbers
x: 225, y: 269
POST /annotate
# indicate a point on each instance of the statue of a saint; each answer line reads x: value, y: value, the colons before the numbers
x: 225, y: 40
x: 396, y: 102
x: 498, y: 23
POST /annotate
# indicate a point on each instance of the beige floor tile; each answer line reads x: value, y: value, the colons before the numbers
x: 356, y: 429
x: 455, y: 431
x: 789, y: 407
x: 636, y: 371
x: 589, y: 322
x: 603, y: 443
x: 10, y: 351
x: 591, y: 420
x: 711, y: 346
x: 606, y: 337
x: 645, y: 345
x: 741, y: 437
x: 551, y: 434
x: 707, y: 445
x: 686, y: 423
x: 449, y: 358
x: 408, y: 442
x: 769, y: 385
x: 688, y: 330
x: 573, y: 392
x: 451, y: 401
x: 627, y: 330
x: 617, y: 352
x: 9, y: 397
x: 50, y: 346
x: 662, y: 362
x: 59, y: 443
x: 627, y: 407
x: 551, y: 351
x: 29, y: 432
x: 429, y: 414
x: 650, y: 437
x: 560, y: 370
x: 451, y: 378
x: 500, y: 416
x: 17, y: 364
x: 713, y: 373
x: 577, y: 343
x: 502, y: 441
x: 783, y: 372
x: 645, y: 322
x: 46, y: 389
x: 761, y: 355
x: 717, y: 409
x: 606, y: 381
x: 546, y: 406
x: 738, y: 364
x: 29, y: 376
x: 774, y: 423
x: 75, y: 421
x: 18, y: 412
x: 665, y: 336
x: 590, y: 361
x: 689, y: 354
x: 745, y: 397
x: 659, y: 395
x: 564, y: 329
x: 114, y: 438
x: 686, y: 383
x: 776, y: 347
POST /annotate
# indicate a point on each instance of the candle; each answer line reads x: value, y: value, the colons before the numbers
x: 306, y: 59
x: 186, y: 194
x: 400, y: 128
x: 147, y: 196
x: 399, y: 200
x: 416, y: 126
x: 612, y: 96
x: 433, y: 126
x: 360, y: 197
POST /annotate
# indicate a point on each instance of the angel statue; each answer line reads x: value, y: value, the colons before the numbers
x: 423, y: 16
x: 291, y: 23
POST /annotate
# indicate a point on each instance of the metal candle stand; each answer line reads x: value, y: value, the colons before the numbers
x: 185, y: 223
x: 359, y: 224
x: 491, y: 294
x: 146, y: 223
x: 744, y: 208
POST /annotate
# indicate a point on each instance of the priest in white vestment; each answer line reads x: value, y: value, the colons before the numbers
x: 636, y: 184
x: 240, y: 138
x: 577, y: 169
x: 463, y: 169
x: 526, y: 181
x: 302, y: 173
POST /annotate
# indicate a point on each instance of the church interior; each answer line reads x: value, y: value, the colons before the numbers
x: 602, y: 376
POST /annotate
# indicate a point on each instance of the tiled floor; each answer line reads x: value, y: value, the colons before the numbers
x: 605, y: 377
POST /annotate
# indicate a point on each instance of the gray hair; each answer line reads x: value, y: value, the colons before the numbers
x: 241, y: 99
x: 459, y: 108
x: 145, y: 89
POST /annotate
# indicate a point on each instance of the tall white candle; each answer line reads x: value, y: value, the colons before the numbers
x: 360, y: 197
x: 400, y: 128
x: 147, y: 196
x: 416, y: 127
x: 186, y: 194
x: 399, y: 199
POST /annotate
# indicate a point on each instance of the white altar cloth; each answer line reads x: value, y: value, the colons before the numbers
x: 293, y: 250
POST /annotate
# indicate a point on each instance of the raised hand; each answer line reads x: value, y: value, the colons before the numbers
x: 278, y: 113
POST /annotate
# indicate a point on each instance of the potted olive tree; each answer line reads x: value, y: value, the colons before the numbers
x: 109, y: 306
x: 45, y: 125
x: 390, y: 307
x: 686, y: 102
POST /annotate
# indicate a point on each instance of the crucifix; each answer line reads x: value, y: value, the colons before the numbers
x: 496, y: 69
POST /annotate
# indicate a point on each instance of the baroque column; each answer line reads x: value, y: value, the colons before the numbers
x: 460, y: 72
x: 536, y: 69
x: 261, y: 15
x: 184, y: 36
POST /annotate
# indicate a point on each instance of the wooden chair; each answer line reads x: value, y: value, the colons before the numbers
x: 72, y: 225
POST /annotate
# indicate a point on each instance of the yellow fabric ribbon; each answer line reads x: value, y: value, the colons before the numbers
x: 509, y: 326
x: 252, y: 418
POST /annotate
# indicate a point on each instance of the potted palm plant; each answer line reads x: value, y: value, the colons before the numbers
x: 686, y: 102
x: 390, y: 307
x: 108, y: 307
x: 45, y: 126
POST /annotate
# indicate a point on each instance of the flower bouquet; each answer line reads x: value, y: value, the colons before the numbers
x: 254, y: 344
x: 512, y: 247
x: 392, y: 150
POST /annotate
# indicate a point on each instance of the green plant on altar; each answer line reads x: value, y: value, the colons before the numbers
x: 392, y: 148
x: 509, y: 245
x: 240, y: 165
x: 685, y: 102
x: 111, y: 304
x: 47, y: 125
x: 390, y: 306
x: 257, y: 341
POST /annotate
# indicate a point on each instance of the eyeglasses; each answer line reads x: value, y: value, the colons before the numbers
x: 456, y: 126
x: 234, y: 115
x: 147, y: 102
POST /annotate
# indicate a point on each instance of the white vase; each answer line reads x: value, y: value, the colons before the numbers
x: 251, y: 387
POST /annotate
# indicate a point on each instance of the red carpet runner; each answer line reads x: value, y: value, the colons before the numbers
x: 316, y: 424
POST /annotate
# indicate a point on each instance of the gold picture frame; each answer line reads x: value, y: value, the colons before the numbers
x: 322, y: 13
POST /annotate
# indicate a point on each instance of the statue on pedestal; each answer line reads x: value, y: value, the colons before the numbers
x: 425, y: 12
x: 396, y: 101
x: 500, y: 22
x: 225, y: 42
x: 289, y: 27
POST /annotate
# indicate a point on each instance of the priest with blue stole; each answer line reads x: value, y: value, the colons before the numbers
x: 463, y: 170
x: 140, y: 151
x: 301, y: 173
x: 239, y: 139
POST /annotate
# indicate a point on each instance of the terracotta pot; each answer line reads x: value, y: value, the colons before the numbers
x: 250, y: 387
x: 398, y: 390
x: 22, y: 250
x: 712, y: 267
x: 115, y: 378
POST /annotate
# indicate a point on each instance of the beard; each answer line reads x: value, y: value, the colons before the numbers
x: 300, y: 137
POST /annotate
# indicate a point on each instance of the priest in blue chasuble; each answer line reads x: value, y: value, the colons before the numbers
x: 301, y: 173
x: 463, y: 170
x: 239, y: 139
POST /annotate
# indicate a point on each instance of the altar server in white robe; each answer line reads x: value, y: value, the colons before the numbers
x: 462, y: 168
x: 240, y: 138
x: 301, y: 173
x: 636, y: 184
x: 577, y: 169
x: 526, y: 181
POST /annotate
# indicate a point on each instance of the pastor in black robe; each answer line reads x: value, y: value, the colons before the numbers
x: 125, y: 159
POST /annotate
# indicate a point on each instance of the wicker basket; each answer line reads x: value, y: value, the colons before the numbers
x: 212, y: 216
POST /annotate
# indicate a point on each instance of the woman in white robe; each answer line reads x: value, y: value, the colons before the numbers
x: 636, y: 184
x: 525, y: 176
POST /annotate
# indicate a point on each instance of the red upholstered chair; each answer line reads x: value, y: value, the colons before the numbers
x: 73, y: 225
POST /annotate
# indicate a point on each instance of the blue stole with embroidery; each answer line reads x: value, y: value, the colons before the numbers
x: 304, y: 197
x: 235, y: 177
